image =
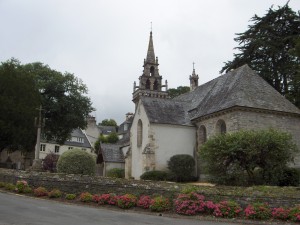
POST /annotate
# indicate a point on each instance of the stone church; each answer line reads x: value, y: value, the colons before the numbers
x: 163, y: 127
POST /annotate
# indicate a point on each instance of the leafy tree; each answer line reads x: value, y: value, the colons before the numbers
x: 23, y: 88
x: 63, y: 99
x: 248, y: 157
x: 19, y: 99
x: 266, y: 46
x: 174, y: 92
x: 108, y: 122
x: 182, y: 166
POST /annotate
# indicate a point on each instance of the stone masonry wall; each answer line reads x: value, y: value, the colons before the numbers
x: 70, y: 183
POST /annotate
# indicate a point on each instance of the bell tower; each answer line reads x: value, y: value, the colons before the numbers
x: 150, y: 82
x: 194, y: 79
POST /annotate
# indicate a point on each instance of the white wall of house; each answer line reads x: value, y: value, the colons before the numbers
x: 58, y: 149
x: 172, y: 140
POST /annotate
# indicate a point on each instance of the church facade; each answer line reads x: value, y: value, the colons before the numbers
x: 163, y: 127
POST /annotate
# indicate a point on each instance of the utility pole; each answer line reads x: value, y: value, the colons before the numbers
x: 39, y: 123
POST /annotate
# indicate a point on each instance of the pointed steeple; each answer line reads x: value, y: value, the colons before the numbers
x: 150, y: 53
x: 194, y: 79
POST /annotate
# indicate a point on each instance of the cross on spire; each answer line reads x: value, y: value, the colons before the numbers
x: 193, y: 65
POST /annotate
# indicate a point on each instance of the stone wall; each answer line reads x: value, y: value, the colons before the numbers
x: 70, y: 183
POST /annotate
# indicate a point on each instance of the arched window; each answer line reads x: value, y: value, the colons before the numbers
x: 139, y: 133
x: 155, y: 86
x: 148, y: 84
x: 202, y: 135
x: 221, y: 127
x: 152, y: 71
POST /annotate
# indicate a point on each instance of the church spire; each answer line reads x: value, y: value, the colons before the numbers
x: 194, y: 79
x: 150, y: 53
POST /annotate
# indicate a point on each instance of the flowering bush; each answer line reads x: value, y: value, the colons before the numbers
x: 110, y: 199
x: 159, y: 204
x: 144, y: 202
x: 40, y: 191
x: 126, y: 201
x: 258, y: 211
x: 70, y: 196
x: 294, y: 214
x: 209, y: 207
x: 189, y: 204
x: 55, y: 193
x: 229, y: 209
x: 2, y: 184
x: 280, y: 213
x: 86, y: 197
x: 22, y: 187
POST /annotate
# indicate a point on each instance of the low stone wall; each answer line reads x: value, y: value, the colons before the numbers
x: 70, y: 183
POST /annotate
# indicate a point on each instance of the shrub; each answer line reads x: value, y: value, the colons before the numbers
x: 76, y: 161
x: 289, y: 177
x: 86, y: 197
x: 2, y: 184
x: 55, y: 193
x: 182, y: 166
x: 144, y: 202
x: 154, y: 175
x: 10, y: 187
x: 280, y: 213
x: 116, y: 173
x: 127, y: 201
x: 228, y: 209
x: 189, y: 204
x: 294, y: 214
x: 233, y: 158
x: 40, y: 191
x: 259, y: 211
x: 50, y: 161
x: 21, y: 186
x: 160, y: 204
x: 70, y: 196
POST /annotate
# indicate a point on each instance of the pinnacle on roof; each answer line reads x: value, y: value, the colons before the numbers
x: 150, y: 53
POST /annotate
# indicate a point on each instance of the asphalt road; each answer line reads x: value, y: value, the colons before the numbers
x: 22, y: 210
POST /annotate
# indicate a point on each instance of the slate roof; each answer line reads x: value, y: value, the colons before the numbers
x: 112, y: 153
x: 166, y: 111
x: 240, y: 87
x: 106, y: 130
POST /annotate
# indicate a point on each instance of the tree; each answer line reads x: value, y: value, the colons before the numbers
x: 174, y: 92
x: 64, y: 101
x: 23, y: 88
x: 108, y: 122
x: 111, y: 139
x: 248, y: 157
x: 266, y: 46
x: 19, y: 99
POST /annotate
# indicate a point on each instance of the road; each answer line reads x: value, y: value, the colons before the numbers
x: 22, y: 210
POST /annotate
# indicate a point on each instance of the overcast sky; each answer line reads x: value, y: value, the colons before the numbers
x: 104, y: 43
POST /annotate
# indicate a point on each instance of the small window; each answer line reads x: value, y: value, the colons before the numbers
x: 79, y: 139
x: 202, y: 135
x: 84, y: 149
x: 56, y: 149
x: 139, y: 133
x: 43, y: 148
x: 70, y: 148
x: 221, y: 127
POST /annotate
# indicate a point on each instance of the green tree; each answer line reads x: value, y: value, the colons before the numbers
x: 64, y: 101
x: 174, y: 92
x: 111, y: 139
x: 248, y: 157
x: 266, y: 46
x: 19, y: 100
x: 108, y: 122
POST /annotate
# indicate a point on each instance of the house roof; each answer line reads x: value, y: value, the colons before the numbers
x: 241, y: 87
x: 106, y: 130
x: 112, y: 153
x: 166, y: 111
